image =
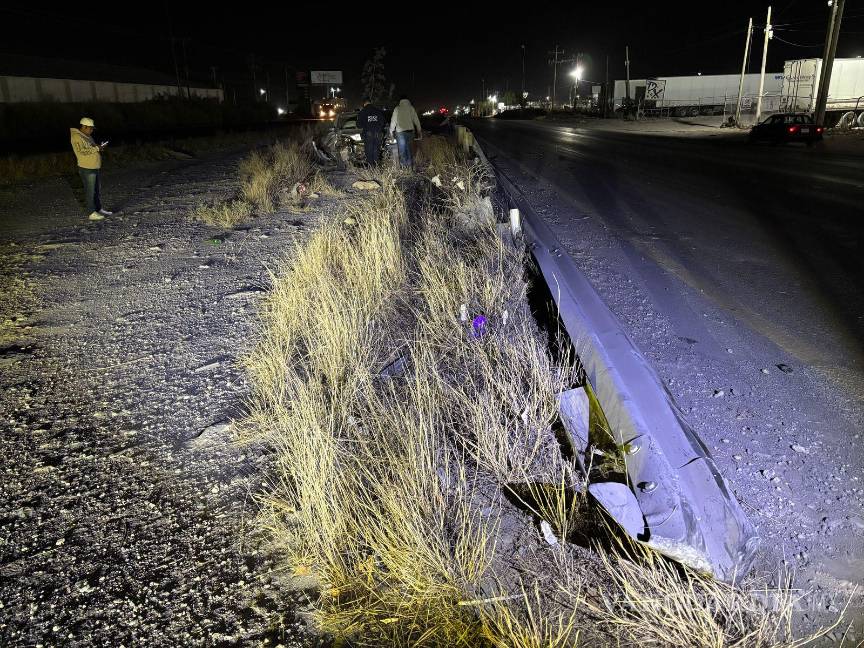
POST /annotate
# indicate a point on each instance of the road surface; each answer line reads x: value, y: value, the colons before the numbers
x: 737, y: 270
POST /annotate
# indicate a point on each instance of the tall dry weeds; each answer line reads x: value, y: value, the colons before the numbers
x: 400, y: 429
x: 266, y: 178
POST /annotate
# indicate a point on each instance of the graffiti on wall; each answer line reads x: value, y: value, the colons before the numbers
x: 654, y: 89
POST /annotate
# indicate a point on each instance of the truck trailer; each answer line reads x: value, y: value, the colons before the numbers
x: 704, y: 94
x: 845, y: 91
x: 793, y: 90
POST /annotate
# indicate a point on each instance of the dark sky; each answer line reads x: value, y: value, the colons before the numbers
x: 439, y: 54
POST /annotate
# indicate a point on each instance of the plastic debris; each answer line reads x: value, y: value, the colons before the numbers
x: 548, y: 534
x: 479, y: 326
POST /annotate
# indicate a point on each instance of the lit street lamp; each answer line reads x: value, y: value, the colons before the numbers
x: 576, y: 73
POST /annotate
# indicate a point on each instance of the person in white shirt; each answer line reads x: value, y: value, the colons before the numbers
x: 405, y: 124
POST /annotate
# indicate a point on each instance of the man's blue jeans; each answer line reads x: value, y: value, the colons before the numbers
x: 404, y: 140
x: 90, y: 178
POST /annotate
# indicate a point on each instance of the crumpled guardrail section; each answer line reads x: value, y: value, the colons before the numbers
x: 674, y: 500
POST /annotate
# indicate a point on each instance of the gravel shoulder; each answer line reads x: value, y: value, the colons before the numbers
x: 125, y: 506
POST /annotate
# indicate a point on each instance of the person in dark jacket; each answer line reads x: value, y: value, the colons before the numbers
x: 371, y: 121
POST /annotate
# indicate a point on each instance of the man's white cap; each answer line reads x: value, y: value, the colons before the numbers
x: 86, y: 121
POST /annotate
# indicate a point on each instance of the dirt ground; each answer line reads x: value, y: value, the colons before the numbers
x: 125, y: 507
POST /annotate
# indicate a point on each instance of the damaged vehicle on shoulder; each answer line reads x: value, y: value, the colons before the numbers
x: 343, y: 142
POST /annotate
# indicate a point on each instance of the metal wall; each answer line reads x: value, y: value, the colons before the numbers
x: 14, y: 89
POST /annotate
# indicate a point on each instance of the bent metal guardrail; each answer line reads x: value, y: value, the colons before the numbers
x: 675, y: 500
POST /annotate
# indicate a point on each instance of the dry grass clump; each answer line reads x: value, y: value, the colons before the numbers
x: 29, y: 167
x: 379, y: 491
x: 436, y: 154
x: 319, y: 184
x: 225, y: 215
x: 654, y: 602
x: 268, y: 177
x: 414, y: 452
x: 267, y: 173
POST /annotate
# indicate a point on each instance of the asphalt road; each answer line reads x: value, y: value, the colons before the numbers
x: 724, y: 260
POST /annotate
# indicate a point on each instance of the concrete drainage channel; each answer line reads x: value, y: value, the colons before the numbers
x: 646, y: 466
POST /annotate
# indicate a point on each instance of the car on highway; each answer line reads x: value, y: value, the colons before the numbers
x: 787, y: 127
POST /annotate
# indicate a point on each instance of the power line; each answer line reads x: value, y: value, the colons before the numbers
x: 777, y: 38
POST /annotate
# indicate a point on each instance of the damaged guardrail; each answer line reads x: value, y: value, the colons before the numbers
x: 669, y: 494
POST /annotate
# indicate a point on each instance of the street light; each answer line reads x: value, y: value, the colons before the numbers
x: 576, y: 73
x: 262, y: 91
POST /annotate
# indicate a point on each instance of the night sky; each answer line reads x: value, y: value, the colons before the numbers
x: 438, y: 53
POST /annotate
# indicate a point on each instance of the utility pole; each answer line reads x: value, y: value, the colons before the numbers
x: 186, y: 68
x: 287, y: 98
x: 254, y: 79
x: 627, y: 65
x: 173, y: 50
x: 743, y: 71
x: 828, y: 60
x: 606, y: 90
x: 768, y: 35
x: 554, y: 63
x: 521, y: 99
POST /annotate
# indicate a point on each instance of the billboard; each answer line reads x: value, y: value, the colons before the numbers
x: 326, y: 77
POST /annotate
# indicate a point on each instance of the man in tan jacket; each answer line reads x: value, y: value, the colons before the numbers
x: 89, y: 156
